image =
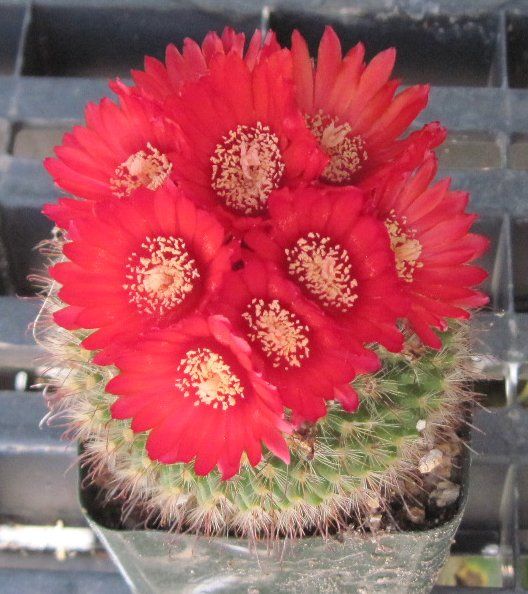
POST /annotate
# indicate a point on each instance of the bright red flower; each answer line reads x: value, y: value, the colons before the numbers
x: 429, y: 232
x: 340, y: 258
x: 160, y: 80
x: 138, y: 264
x: 244, y: 135
x: 298, y: 346
x: 351, y: 107
x: 200, y: 398
x: 122, y: 148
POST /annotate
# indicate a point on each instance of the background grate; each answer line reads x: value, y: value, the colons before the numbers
x: 54, y: 56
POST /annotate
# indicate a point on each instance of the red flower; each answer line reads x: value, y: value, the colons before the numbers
x: 138, y: 264
x: 428, y: 228
x: 200, y: 397
x: 351, y: 107
x: 298, y: 346
x: 340, y: 259
x: 121, y: 148
x: 244, y: 136
x: 160, y: 80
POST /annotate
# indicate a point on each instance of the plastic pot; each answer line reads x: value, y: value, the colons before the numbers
x: 154, y: 561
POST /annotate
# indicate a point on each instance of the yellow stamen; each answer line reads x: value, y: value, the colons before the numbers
x: 148, y: 168
x: 347, y: 153
x: 160, y: 275
x: 278, y: 331
x: 247, y: 167
x: 407, y: 249
x: 324, y: 269
x: 209, y: 379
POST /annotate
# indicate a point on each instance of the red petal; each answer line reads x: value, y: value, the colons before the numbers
x: 347, y: 397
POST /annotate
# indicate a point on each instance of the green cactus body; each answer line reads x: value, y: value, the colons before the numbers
x: 342, y: 468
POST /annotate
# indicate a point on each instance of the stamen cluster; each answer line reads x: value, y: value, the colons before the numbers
x: 247, y: 167
x: 160, y: 275
x: 347, y: 153
x: 324, y: 270
x: 281, y: 335
x: 148, y: 168
x: 207, y: 378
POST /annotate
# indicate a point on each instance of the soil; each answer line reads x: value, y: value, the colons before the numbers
x: 432, y: 501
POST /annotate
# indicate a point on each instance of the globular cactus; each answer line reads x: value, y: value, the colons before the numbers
x: 252, y: 317
x: 344, y: 467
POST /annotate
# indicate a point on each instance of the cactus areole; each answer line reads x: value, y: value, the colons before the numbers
x: 259, y: 295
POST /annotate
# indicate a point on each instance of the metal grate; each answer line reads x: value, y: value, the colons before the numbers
x: 54, y: 56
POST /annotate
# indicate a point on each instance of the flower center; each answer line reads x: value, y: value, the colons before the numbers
x: 209, y: 379
x: 347, y: 153
x: 278, y: 331
x: 324, y: 269
x: 247, y: 167
x: 160, y: 275
x: 407, y: 249
x: 148, y: 168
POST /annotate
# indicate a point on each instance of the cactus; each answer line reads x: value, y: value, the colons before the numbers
x: 343, y: 467
x: 253, y: 228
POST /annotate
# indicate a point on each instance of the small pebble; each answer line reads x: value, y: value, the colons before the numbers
x: 430, y: 461
x: 446, y: 493
x: 375, y: 522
